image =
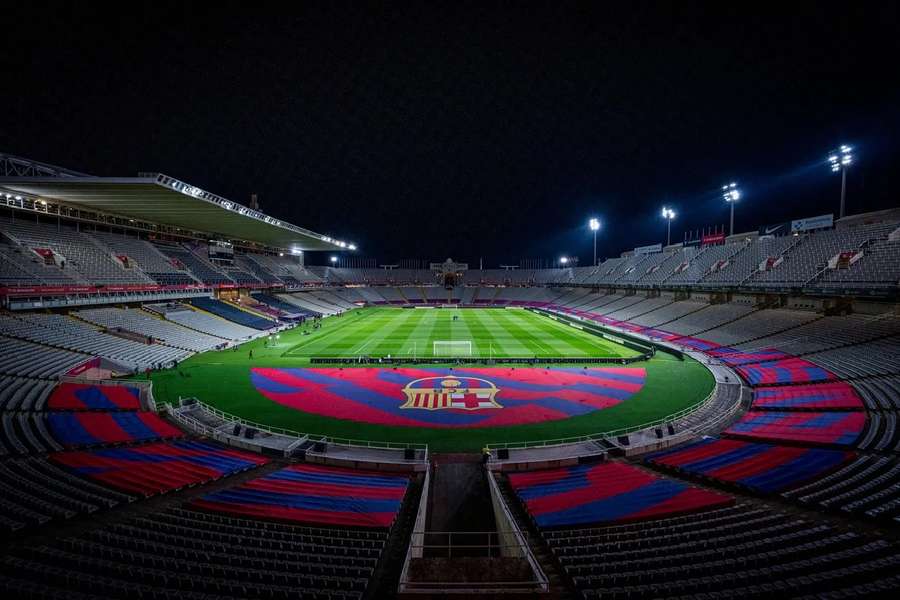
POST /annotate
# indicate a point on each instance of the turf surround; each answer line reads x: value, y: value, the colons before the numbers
x: 223, y: 378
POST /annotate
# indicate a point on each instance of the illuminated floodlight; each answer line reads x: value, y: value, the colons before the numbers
x: 839, y: 161
x: 594, y: 224
x: 730, y: 192
x: 668, y: 213
x: 352, y: 246
x: 334, y: 259
x: 563, y: 260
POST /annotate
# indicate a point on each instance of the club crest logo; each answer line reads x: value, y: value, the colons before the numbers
x: 437, y: 393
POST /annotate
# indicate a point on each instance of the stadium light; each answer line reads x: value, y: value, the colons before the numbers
x: 563, y: 260
x: 731, y: 194
x: 594, y: 224
x: 352, y: 246
x: 333, y: 259
x: 668, y: 214
x: 840, y: 160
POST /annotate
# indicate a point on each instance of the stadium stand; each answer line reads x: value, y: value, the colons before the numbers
x: 833, y: 428
x: 203, y: 322
x: 315, y: 495
x: 142, y: 322
x: 232, y: 313
x: 832, y: 396
x: 606, y: 493
x: 96, y: 428
x: 763, y: 468
x: 158, y: 467
x: 85, y: 396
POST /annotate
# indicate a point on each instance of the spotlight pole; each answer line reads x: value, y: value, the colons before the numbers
x: 594, y: 224
x: 840, y: 160
x: 668, y: 214
x: 732, y: 194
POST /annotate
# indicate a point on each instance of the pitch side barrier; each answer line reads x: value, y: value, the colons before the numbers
x: 639, y: 344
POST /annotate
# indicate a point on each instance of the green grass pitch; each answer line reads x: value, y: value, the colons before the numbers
x: 222, y: 378
x: 490, y: 333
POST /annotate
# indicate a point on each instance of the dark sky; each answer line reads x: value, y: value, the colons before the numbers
x: 427, y: 130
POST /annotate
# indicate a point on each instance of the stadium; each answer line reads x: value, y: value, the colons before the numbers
x: 424, y: 301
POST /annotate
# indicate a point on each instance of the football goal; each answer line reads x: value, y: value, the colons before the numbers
x: 452, y: 348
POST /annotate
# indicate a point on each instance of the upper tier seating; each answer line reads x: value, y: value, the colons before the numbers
x: 88, y: 259
x: 810, y: 255
x: 606, y: 493
x: 147, y: 257
x: 94, y: 428
x: 878, y: 357
x: 761, y: 467
x: 756, y: 325
x: 158, y: 467
x: 828, y: 332
x: 747, y: 260
x: 232, y: 313
x: 878, y: 267
x: 199, y: 268
x: 315, y: 494
x: 22, y: 267
x: 82, y: 396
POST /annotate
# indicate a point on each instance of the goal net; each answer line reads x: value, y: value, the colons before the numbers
x: 452, y: 348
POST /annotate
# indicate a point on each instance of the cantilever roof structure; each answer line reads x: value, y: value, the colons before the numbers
x: 158, y: 198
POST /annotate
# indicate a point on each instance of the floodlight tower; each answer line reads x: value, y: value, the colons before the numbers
x: 668, y: 214
x: 563, y: 260
x: 731, y: 194
x: 840, y: 160
x: 594, y: 224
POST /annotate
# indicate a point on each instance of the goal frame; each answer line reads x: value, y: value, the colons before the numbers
x: 467, y: 344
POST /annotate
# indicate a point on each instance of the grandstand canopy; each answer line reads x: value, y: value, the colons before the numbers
x: 158, y: 198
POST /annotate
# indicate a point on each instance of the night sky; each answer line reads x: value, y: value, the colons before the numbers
x: 426, y: 130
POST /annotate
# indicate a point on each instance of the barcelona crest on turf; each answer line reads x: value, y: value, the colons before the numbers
x: 436, y: 393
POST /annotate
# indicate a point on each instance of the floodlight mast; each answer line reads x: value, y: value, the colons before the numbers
x: 731, y: 194
x: 840, y: 160
x: 668, y: 214
x: 594, y: 224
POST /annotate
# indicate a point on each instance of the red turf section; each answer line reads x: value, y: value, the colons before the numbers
x: 485, y: 397
x: 158, y: 467
x: 315, y: 494
x: 607, y: 493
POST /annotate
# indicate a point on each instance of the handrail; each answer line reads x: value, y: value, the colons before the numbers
x: 299, y: 435
x: 606, y: 434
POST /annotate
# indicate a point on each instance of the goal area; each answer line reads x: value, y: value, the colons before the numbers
x: 451, y: 348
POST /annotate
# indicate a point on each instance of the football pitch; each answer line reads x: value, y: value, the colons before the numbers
x: 272, y: 382
x: 428, y: 333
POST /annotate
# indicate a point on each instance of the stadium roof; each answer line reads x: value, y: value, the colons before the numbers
x: 158, y: 198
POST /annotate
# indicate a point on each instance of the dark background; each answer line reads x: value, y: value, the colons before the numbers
x: 426, y: 130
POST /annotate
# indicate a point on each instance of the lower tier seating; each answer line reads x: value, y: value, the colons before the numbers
x: 760, y: 467
x: 34, y: 491
x: 838, y: 428
x: 737, y: 552
x: 233, y: 314
x: 315, y: 494
x: 93, y: 428
x: 834, y: 395
x: 188, y: 554
x: 606, y: 493
x: 79, y: 396
x: 788, y: 370
x: 157, y: 468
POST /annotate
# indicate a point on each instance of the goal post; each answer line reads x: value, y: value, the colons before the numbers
x: 451, y: 348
